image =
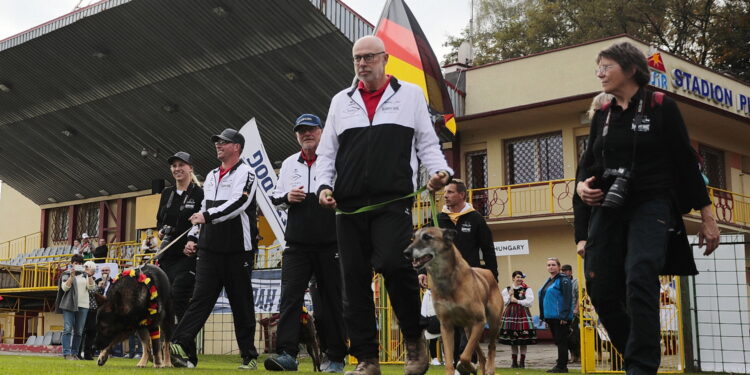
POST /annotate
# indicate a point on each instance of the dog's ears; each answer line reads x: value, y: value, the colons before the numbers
x: 449, y: 235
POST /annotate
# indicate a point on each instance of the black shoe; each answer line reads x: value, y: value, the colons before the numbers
x: 557, y: 370
x: 178, y: 356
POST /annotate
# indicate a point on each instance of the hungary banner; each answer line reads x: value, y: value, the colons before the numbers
x: 412, y: 60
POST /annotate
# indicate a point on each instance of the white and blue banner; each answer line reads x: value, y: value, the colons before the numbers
x: 266, y: 294
x: 255, y: 156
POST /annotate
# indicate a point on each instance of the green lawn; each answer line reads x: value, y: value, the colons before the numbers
x: 209, y: 364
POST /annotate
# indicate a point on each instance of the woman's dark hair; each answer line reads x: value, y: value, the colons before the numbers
x: 628, y: 56
x: 517, y: 273
x: 76, y: 258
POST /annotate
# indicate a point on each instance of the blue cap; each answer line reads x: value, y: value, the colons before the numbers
x: 307, y: 120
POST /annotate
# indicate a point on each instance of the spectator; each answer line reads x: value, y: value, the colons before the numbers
x: 556, y: 309
x: 73, y: 302
x: 224, y: 236
x: 374, y: 134
x: 432, y: 324
x: 517, y: 326
x: 574, y: 344
x: 150, y: 244
x: 89, y: 329
x: 101, y: 252
x: 311, y: 249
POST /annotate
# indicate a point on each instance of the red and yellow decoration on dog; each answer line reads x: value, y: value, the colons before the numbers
x: 153, y: 307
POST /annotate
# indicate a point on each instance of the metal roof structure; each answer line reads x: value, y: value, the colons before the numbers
x: 84, y: 94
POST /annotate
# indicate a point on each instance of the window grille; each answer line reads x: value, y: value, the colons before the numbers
x: 534, y: 159
x: 58, y: 224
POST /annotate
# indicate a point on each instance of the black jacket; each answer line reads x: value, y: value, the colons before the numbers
x: 472, y: 236
x: 668, y: 139
x: 175, y: 210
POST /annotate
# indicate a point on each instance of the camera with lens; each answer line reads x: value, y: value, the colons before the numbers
x: 168, y: 232
x: 618, y: 190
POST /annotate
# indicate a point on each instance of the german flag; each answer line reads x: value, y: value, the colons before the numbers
x: 412, y: 60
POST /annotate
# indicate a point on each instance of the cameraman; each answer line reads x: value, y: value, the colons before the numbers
x: 640, y: 174
x: 177, y: 204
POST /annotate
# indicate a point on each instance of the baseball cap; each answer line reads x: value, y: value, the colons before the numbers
x: 307, y: 119
x: 85, y: 235
x: 230, y: 135
x: 181, y: 155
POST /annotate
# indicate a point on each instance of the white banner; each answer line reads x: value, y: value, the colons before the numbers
x: 255, y: 156
x: 507, y: 248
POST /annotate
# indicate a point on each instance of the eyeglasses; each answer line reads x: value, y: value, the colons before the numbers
x: 222, y: 142
x: 601, y: 69
x: 367, y: 57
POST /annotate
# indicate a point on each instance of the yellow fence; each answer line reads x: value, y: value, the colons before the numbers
x: 729, y: 207
x: 598, y: 355
x: 20, y: 245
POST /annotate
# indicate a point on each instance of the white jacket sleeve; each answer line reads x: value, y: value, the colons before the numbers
x: 242, y: 192
x: 426, y: 141
x: 506, y: 296
x: 279, y: 196
x: 327, y: 150
x: 526, y: 302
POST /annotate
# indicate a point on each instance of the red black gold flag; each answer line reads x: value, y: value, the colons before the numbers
x: 412, y: 60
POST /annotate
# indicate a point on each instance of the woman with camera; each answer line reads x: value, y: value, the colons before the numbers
x: 73, y: 302
x: 177, y: 204
x: 639, y: 174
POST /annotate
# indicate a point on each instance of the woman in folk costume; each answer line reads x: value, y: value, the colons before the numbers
x: 516, y: 328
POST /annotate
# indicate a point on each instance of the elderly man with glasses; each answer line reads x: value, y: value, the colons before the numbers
x: 375, y: 133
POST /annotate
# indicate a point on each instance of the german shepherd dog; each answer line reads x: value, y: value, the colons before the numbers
x: 125, y: 309
x: 463, y: 297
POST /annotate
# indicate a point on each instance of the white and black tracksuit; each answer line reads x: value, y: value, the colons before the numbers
x: 225, y: 258
x: 371, y: 162
x: 310, y: 250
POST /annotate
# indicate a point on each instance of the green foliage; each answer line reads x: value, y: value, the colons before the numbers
x: 707, y: 32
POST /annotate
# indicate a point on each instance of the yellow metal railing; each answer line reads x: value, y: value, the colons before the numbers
x: 730, y: 207
x: 20, y: 245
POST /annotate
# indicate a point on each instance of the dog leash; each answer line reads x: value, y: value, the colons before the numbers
x: 377, y: 206
x: 162, y: 250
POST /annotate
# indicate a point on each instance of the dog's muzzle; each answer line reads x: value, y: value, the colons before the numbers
x: 419, y: 257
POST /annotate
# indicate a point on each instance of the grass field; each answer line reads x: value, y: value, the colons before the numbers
x: 209, y: 364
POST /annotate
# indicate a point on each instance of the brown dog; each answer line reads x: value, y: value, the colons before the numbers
x: 463, y: 297
x: 308, y: 337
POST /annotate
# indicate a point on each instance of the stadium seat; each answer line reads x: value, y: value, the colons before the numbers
x: 56, y: 337
x: 31, y: 340
x: 39, y: 341
x: 47, y: 340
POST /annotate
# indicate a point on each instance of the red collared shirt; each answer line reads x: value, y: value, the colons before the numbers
x: 310, y: 161
x: 372, y: 98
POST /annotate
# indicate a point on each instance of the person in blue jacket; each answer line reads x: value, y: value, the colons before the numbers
x: 556, y: 309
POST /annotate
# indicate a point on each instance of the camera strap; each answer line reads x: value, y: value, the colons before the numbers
x: 636, y: 120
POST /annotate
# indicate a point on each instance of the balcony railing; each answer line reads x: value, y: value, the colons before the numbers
x: 549, y: 198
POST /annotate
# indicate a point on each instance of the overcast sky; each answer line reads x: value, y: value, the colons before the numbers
x: 438, y: 18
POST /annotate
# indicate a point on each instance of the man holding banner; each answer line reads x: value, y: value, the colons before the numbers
x: 311, y: 250
x: 374, y: 134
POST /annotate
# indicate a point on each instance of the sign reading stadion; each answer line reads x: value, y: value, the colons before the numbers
x: 703, y: 88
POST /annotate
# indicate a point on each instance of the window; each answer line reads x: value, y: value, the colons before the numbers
x: 533, y: 159
x: 476, y: 177
x: 58, y: 222
x: 713, y: 164
x: 87, y: 218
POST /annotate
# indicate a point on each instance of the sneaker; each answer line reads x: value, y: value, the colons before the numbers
x: 435, y: 362
x: 249, y: 364
x: 334, y: 367
x: 366, y: 367
x: 178, y: 356
x: 417, y: 359
x: 281, y: 362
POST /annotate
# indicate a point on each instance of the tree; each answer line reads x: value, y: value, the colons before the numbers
x: 706, y: 32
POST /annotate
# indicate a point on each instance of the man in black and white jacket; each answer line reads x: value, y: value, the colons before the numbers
x: 375, y: 134
x: 223, y: 238
x: 310, y: 250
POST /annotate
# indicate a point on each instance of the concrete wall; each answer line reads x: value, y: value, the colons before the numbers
x: 21, y: 215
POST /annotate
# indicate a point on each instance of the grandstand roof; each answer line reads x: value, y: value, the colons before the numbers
x: 84, y: 94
